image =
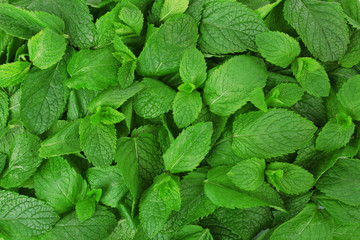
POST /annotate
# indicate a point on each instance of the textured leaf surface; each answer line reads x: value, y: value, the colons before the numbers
x: 228, y: 27
x: 342, y: 181
x: 98, y: 142
x: 186, y: 108
x: 22, y: 217
x: 4, y: 109
x: 352, y: 55
x: 349, y: 97
x: 189, y: 148
x: 278, y: 48
x: 240, y: 76
x: 173, y: 7
x: 274, y: 133
x: 59, y: 185
x: 13, y: 73
x: 164, y: 49
x: 284, y: 95
x: 85, y: 72
x: 155, y: 99
x: 22, y: 162
x: 43, y: 97
x: 193, y: 67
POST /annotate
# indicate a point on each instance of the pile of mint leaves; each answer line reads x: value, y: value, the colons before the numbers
x: 179, y: 119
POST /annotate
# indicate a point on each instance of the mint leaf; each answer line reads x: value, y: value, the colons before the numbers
x: 13, y: 73
x: 193, y: 232
x: 284, y: 95
x: 351, y: 56
x: 311, y: 76
x: 228, y: 27
x: 85, y: 72
x: 328, y: 37
x: 193, y: 67
x: 164, y: 49
x: 132, y: 19
x: 107, y: 115
x: 342, y: 181
x: 283, y: 53
x: 289, y: 178
x: 254, y: 133
x: 248, y: 174
x: 186, y: 108
x: 24, y: 217
x: 240, y: 76
x: 4, y: 109
x: 59, y: 185
x: 158, y: 201
x: 171, y: 8
x: 98, y: 142
x: 351, y: 9
x: 189, y: 148
x: 348, y: 97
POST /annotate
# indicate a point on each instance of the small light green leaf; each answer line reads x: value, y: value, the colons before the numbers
x: 186, y: 108
x: 126, y: 73
x: 257, y: 98
x: 155, y: 99
x: 13, y: 73
x: 349, y: 97
x: 228, y: 27
x: 107, y: 115
x: 312, y: 76
x: 86, y: 67
x: 310, y: 223
x: 274, y: 133
x: 248, y: 174
x: 4, y: 109
x: 193, y: 67
x: 22, y: 217
x: 46, y: 48
x: 189, y: 148
x: 23, y: 160
x: 85, y: 209
x: 64, y: 141
x: 59, y: 185
x: 278, y: 48
x: 342, y: 181
x: 158, y: 201
x: 284, y: 95
x: 164, y: 49
x: 222, y: 192
x: 173, y: 7
x: 240, y: 76
x: 289, y: 178
x: 336, y: 133
x: 132, y: 17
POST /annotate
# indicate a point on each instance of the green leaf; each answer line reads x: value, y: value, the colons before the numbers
x: 63, y: 142
x: 43, y: 97
x: 186, y: 108
x: 223, y: 193
x: 189, y: 148
x: 278, y: 48
x: 85, y: 209
x: 257, y: 98
x: 114, y: 97
x: 289, y: 178
x: 133, y: 18
x: 46, y: 48
x: 158, y: 201
x: 342, y: 181
x: 123, y: 231
x: 110, y: 180
x: 193, y: 67
x: 240, y: 76
x: 97, y: 142
x: 13, y: 73
x: 310, y: 223
x: 349, y: 97
x: 80, y: 28
x: 312, y: 76
x: 172, y: 7
x: 193, y: 232
x: 271, y: 134
x: 155, y: 99
x: 126, y: 73
x: 350, y: 232
x: 107, y: 115
x: 22, y: 162
x: 4, y: 109
x: 352, y: 55
x: 22, y: 217
x: 336, y: 133
x: 24, y: 24
x: 78, y: 102
x: 248, y: 174
x: 284, y: 95
x: 139, y: 160
x: 228, y: 27
x: 99, y: 226
x: 85, y: 72
x: 351, y: 9
x: 328, y: 37
x: 164, y: 49
x: 2, y: 161
x: 59, y: 185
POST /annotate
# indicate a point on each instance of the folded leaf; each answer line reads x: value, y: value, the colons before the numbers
x: 348, y: 96
x: 13, y: 73
x: 284, y: 95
